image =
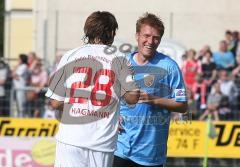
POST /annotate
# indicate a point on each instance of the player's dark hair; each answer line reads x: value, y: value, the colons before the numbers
x: 151, y: 20
x: 100, y: 27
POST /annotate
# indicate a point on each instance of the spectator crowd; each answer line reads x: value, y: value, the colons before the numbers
x: 26, y: 82
x: 212, y: 79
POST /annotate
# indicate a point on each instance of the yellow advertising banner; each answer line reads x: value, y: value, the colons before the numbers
x: 186, y: 139
x: 190, y: 139
x: 28, y: 127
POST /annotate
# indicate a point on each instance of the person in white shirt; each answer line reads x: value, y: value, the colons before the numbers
x: 3, y: 79
x: 20, y: 78
x: 86, y: 86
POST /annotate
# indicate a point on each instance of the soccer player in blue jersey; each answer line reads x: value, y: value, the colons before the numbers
x: 143, y: 138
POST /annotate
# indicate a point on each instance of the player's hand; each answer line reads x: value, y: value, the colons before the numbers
x: 144, y: 97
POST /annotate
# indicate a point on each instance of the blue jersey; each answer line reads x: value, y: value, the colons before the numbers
x: 224, y: 60
x: 145, y: 135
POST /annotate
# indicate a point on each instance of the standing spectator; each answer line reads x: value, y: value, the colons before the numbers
x: 231, y: 39
x: 236, y: 77
x: 236, y: 42
x: 236, y: 70
x: 202, y: 52
x: 20, y: 78
x: 191, y: 67
x: 224, y: 59
x: 38, y: 80
x: 3, y: 79
x: 32, y: 56
x: 209, y: 70
x: 238, y: 45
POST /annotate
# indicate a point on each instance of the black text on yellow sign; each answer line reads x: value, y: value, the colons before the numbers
x: 28, y: 127
x: 191, y: 140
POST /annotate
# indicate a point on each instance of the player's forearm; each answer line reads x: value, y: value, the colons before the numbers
x: 58, y: 107
x: 170, y: 104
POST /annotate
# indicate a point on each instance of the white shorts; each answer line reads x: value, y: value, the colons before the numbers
x: 72, y: 156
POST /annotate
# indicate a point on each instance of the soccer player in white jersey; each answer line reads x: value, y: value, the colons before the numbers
x: 86, y: 86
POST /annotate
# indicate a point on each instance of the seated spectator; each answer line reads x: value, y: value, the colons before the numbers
x: 191, y: 67
x: 224, y: 59
x: 225, y: 109
x: 209, y: 70
x: 228, y: 89
x: 227, y: 85
x: 213, y: 103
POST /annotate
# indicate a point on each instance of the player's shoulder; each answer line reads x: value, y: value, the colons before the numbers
x: 72, y: 52
x: 120, y: 57
x: 67, y: 57
x: 167, y: 60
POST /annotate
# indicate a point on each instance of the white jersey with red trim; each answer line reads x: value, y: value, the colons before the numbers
x: 90, y: 81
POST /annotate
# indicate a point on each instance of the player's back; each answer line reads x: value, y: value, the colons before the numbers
x: 90, y: 86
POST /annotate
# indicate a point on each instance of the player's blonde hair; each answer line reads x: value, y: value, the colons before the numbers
x: 151, y: 20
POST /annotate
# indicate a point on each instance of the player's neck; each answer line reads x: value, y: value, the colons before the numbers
x: 140, y: 59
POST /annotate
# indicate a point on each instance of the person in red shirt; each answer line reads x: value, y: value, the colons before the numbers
x: 191, y: 67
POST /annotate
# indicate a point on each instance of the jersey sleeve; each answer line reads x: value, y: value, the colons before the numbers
x: 126, y: 76
x: 56, y: 86
x: 177, y: 85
